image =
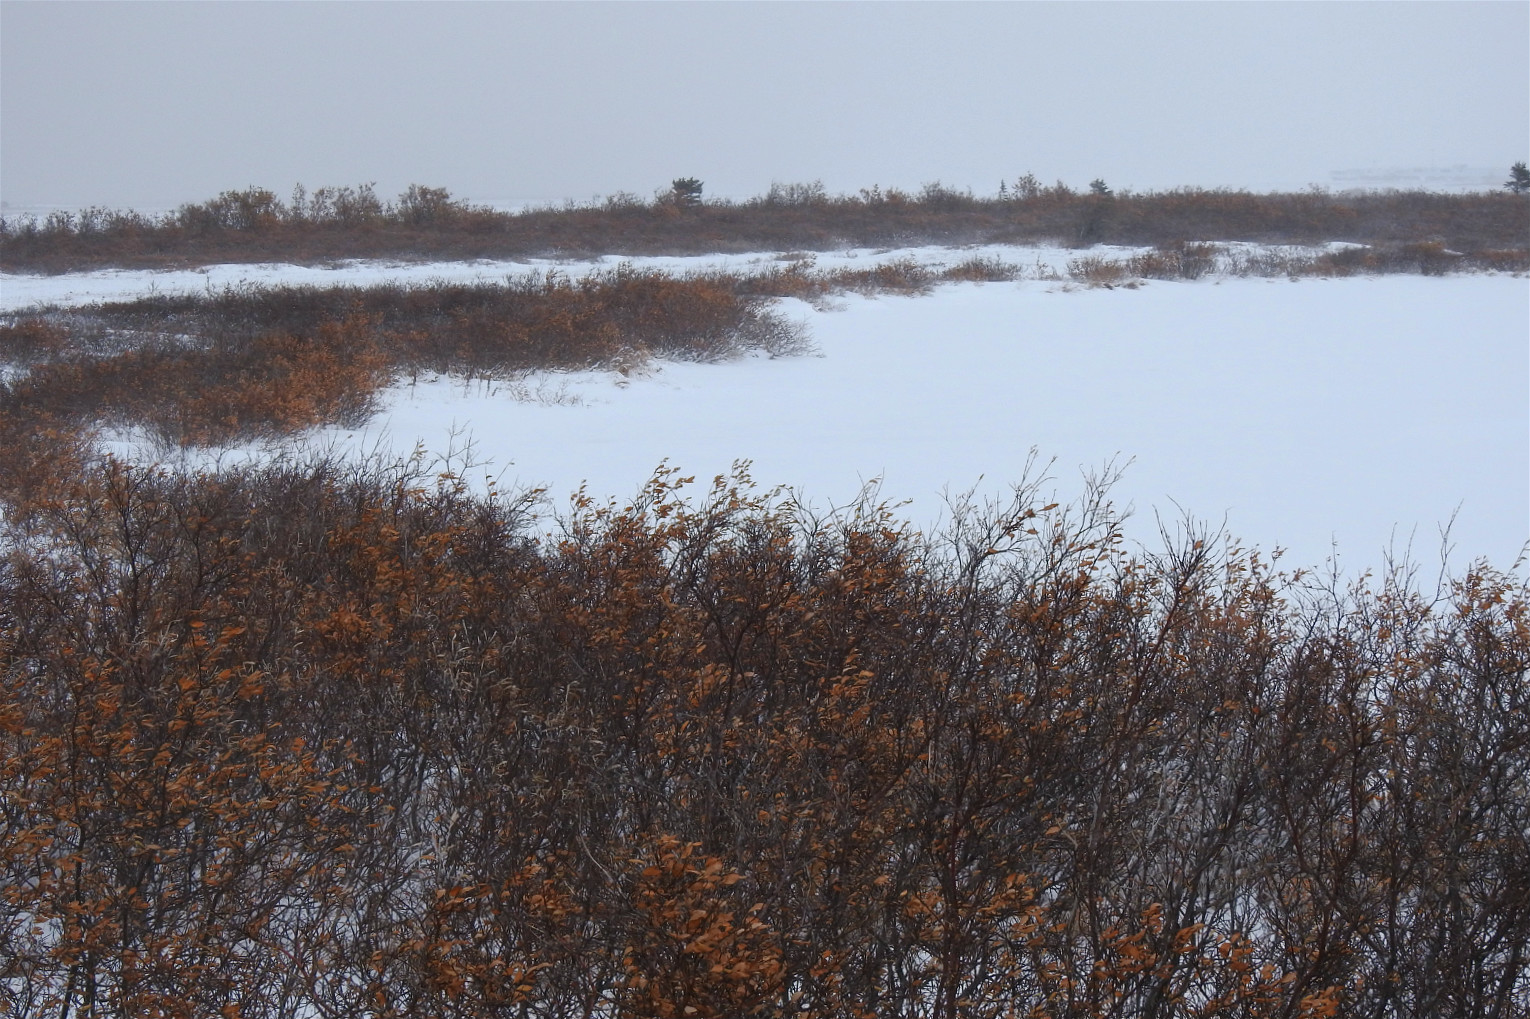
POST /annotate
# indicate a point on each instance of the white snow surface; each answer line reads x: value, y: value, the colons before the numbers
x: 25, y: 290
x: 1343, y: 417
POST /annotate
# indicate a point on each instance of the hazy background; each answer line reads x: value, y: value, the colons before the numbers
x: 150, y: 105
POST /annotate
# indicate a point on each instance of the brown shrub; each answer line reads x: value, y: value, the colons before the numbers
x: 275, y: 384
x: 348, y: 740
x: 31, y: 340
x: 1175, y: 262
x: 208, y: 370
x: 979, y: 269
x: 1501, y: 261
x: 1097, y: 270
x: 253, y: 225
x: 902, y: 276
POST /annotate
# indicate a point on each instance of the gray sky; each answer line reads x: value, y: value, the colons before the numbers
x: 149, y: 105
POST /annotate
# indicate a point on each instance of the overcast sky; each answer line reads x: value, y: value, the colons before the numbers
x: 150, y: 105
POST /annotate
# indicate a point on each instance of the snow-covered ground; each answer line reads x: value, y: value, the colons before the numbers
x: 1356, y: 414
x: 20, y: 290
x: 23, y: 290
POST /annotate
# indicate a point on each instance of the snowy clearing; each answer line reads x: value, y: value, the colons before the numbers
x: 1347, y: 413
x: 1356, y: 414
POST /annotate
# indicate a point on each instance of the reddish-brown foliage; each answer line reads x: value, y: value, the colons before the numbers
x: 207, y: 370
x: 312, y: 739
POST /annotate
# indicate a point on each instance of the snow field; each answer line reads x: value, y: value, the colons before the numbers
x: 1355, y: 415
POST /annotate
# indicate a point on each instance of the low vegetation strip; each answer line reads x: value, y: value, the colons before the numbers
x: 255, y: 225
x: 248, y: 363
x: 324, y: 739
x: 1194, y: 261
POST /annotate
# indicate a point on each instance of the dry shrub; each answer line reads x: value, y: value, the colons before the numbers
x: 284, y: 384
x: 39, y: 456
x: 352, y: 222
x: 31, y: 340
x: 347, y: 740
x: 1517, y: 260
x: 797, y: 278
x: 982, y: 269
x: 1098, y: 271
x: 901, y: 276
x: 253, y: 362
x: 1429, y: 258
x: 1169, y: 262
x: 1270, y: 262
x: 1175, y: 262
x: 1194, y: 261
x: 693, y: 949
x: 272, y: 385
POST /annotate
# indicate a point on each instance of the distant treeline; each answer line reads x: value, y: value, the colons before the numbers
x: 424, y: 222
x: 325, y: 740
